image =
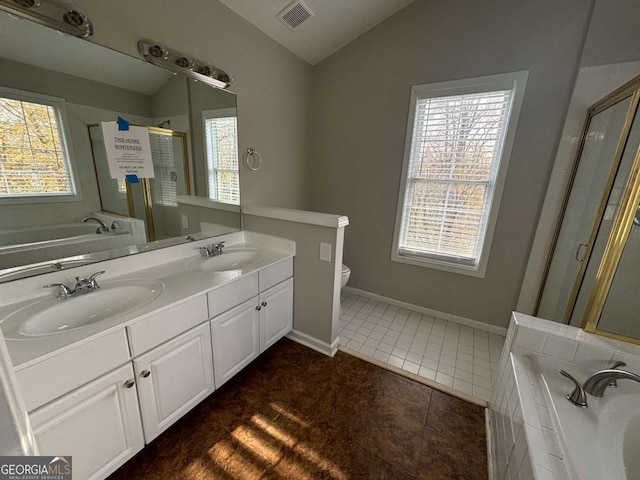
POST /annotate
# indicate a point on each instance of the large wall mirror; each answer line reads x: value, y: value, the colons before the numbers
x: 55, y: 90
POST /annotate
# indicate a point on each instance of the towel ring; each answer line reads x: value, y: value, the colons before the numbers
x: 256, y: 162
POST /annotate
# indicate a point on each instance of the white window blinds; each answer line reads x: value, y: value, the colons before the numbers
x: 33, y: 157
x: 222, y: 159
x: 455, y: 152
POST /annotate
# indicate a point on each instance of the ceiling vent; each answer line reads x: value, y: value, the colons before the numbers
x: 295, y: 14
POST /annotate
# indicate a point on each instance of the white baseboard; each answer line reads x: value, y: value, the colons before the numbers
x: 428, y: 311
x: 314, y: 343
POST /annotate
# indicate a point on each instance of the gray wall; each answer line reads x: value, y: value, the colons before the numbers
x: 273, y: 85
x: 361, y: 99
x: 614, y: 33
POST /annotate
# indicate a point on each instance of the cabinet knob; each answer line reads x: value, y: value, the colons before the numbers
x: 129, y: 383
x: 145, y: 373
x: 258, y: 307
x: 264, y: 304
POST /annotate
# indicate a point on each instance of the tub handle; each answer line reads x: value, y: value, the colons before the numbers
x: 578, y: 397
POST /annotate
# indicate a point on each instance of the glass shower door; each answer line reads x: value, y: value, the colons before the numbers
x: 594, y: 174
x: 602, y: 239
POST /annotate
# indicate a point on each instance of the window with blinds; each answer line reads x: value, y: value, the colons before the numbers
x: 455, y: 147
x: 33, y: 155
x: 221, y: 141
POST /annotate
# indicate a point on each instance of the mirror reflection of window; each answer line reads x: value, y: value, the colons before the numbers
x: 221, y: 145
x: 33, y: 155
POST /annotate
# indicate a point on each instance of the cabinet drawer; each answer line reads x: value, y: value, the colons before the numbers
x: 233, y: 294
x: 156, y: 329
x: 51, y: 378
x: 275, y: 274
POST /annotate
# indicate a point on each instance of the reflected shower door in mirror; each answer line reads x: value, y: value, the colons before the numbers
x: 84, y: 84
x: 153, y: 200
x: 596, y: 213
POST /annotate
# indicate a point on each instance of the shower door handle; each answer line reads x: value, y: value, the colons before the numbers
x: 584, y: 253
x: 636, y: 220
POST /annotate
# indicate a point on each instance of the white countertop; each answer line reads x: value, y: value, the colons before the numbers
x: 180, y: 284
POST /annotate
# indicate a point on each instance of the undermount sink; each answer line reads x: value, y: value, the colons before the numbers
x: 230, y: 259
x: 52, y: 316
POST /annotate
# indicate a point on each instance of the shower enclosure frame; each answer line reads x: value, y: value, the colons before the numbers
x: 623, y: 219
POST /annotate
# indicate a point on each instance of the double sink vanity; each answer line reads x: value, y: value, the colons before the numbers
x: 105, y: 372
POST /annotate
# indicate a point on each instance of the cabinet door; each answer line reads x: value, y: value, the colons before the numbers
x: 236, y: 340
x: 173, y: 378
x: 98, y: 425
x: 276, y: 313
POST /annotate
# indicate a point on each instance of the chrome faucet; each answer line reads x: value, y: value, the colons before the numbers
x: 82, y: 286
x: 597, y: 383
x: 212, y: 251
x: 103, y: 228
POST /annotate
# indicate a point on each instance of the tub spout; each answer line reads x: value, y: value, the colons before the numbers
x: 597, y: 383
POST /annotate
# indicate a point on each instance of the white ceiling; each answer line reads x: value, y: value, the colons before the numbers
x: 335, y: 24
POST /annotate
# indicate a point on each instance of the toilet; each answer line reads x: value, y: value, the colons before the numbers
x: 344, y: 275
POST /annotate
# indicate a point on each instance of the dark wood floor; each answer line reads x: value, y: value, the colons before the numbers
x: 297, y: 414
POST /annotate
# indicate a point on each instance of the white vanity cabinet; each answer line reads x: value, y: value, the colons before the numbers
x: 97, y: 424
x: 101, y: 399
x: 173, y: 378
x: 236, y: 340
x: 276, y: 313
x: 265, y: 315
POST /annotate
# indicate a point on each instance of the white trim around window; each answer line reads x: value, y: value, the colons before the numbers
x: 65, y: 139
x: 463, y: 232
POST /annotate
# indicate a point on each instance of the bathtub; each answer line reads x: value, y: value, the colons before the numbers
x: 45, y: 235
x: 599, y: 442
x: 34, y: 245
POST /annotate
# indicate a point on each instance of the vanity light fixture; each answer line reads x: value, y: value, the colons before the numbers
x: 178, y: 62
x: 51, y: 13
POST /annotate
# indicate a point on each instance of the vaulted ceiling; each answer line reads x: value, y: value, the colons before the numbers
x: 334, y: 23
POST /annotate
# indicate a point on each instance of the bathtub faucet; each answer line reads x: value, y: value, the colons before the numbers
x: 597, y: 383
x: 103, y: 228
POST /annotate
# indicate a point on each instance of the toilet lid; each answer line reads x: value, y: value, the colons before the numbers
x: 345, y: 269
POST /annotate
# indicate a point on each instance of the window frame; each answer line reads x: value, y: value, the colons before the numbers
x: 485, y: 84
x: 64, y: 129
x: 219, y: 113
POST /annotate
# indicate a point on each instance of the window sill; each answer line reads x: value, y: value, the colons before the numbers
x: 43, y: 199
x: 477, y: 271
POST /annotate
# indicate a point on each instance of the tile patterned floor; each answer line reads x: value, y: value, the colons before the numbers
x: 448, y: 353
x: 295, y: 414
